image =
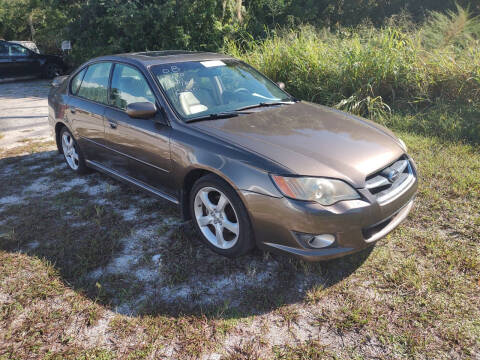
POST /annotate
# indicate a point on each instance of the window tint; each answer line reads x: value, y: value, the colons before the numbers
x: 129, y: 86
x: 76, y: 81
x: 95, y: 82
x: 17, y: 50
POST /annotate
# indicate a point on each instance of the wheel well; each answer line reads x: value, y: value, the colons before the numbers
x: 58, y: 129
x: 188, y: 182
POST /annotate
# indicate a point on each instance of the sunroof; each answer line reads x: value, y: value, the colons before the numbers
x: 164, y: 53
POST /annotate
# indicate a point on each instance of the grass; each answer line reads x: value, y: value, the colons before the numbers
x: 27, y: 147
x: 415, y: 295
x: 427, y: 76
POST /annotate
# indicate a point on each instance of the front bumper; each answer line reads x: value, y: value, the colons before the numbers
x: 356, y: 224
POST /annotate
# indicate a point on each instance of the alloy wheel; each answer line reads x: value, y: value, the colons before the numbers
x: 69, y: 150
x: 216, y: 217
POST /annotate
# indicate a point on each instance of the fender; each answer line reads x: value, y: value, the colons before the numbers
x: 57, y: 127
x: 193, y: 150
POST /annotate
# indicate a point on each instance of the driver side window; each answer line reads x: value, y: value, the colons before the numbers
x: 17, y: 50
x: 129, y: 86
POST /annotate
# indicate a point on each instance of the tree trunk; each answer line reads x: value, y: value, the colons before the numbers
x: 239, y: 11
x: 178, y: 4
x: 32, y: 28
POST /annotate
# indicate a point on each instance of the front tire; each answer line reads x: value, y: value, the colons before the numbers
x: 220, y: 217
x: 72, y: 153
x: 52, y: 70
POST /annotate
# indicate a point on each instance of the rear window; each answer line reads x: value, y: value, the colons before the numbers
x: 95, y: 82
x: 76, y: 81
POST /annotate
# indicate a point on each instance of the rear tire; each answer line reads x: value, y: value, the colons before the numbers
x: 220, y: 217
x: 72, y: 153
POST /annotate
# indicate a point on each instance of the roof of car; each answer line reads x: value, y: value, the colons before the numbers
x: 148, y: 58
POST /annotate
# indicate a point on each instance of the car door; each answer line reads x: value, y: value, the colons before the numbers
x: 86, y: 108
x: 24, y: 62
x: 139, y: 148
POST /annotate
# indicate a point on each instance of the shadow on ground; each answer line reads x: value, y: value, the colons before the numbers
x: 133, y: 253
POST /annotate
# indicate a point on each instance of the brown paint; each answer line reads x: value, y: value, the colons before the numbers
x: 306, y: 139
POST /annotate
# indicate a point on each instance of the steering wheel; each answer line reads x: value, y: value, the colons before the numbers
x: 241, y: 90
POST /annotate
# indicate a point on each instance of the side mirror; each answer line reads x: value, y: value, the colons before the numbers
x: 281, y: 85
x: 141, y: 110
x: 57, y: 81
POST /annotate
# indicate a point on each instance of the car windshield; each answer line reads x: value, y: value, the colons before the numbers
x: 203, y: 88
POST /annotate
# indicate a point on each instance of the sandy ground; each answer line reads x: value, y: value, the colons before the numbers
x: 23, y: 112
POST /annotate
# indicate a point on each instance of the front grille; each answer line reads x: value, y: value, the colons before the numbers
x: 391, y: 180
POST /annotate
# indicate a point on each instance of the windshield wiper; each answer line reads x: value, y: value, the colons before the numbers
x: 215, y: 116
x: 266, y: 104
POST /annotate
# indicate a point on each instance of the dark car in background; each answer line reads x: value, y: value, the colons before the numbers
x: 249, y: 163
x: 18, y: 61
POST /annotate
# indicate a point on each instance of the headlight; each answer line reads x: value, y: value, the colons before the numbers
x: 322, y: 190
x: 403, y: 144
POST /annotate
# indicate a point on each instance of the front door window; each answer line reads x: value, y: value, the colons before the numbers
x: 129, y: 86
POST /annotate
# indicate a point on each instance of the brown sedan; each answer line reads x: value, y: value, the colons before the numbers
x: 250, y: 164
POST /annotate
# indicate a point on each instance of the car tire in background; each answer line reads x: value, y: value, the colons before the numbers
x: 52, y: 70
x: 72, y: 152
x: 220, y: 217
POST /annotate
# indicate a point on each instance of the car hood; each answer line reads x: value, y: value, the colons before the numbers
x: 312, y: 140
x: 53, y: 58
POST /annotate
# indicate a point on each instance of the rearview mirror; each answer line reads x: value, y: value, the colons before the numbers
x: 281, y: 85
x: 141, y: 110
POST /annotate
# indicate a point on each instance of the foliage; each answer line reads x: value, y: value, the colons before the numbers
x: 32, y: 19
x: 100, y: 26
x: 267, y: 14
x: 372, y: 72
x: 458, y: 29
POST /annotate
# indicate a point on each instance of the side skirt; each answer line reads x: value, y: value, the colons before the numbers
x: 128, y: 179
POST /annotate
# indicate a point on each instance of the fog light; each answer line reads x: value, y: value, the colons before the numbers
x: 321, y: 241
x: 317, y: 241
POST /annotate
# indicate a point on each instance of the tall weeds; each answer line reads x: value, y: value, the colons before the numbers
x: 373, y: 72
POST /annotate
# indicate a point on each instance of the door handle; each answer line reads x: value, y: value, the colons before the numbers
x: 73, y: 110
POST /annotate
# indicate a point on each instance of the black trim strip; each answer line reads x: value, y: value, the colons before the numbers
x: 130, y: 180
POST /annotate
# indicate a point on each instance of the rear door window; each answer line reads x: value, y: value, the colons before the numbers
x: 95, y: 82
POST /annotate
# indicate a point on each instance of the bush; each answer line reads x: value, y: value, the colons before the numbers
x: 372, y: 72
